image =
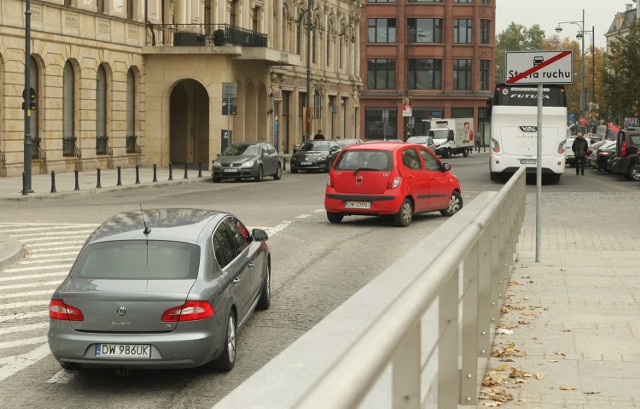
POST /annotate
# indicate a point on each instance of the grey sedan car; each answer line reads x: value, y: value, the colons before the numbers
x: 248, y: 160
x: 161, y: 288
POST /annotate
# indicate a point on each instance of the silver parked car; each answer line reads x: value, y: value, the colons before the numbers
x: 424, y: 141
x: 248, y: 160
x: 161, y: 288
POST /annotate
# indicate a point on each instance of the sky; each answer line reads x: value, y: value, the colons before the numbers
x: 598, y: 14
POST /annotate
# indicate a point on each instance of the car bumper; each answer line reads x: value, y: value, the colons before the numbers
x: 170, y: 350
x: 325, y: 165
x: 383, y: 204
x: 238, y: 173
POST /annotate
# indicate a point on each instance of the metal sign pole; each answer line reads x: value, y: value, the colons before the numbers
x: 539, y: 172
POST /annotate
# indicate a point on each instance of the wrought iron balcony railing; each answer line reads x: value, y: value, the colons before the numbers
x: 102, y: 146
x: 205, y: 35
x: 36, y: 151
x: 69, y: 148
x: 132, y: 144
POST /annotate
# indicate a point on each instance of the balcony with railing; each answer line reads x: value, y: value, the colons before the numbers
x: 36, y: 150
x: 102, y: 146
x: 243, y: 44
x: 69, y: 148
x: 132, y: 144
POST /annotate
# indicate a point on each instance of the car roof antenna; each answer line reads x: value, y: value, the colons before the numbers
x: 146, y: 230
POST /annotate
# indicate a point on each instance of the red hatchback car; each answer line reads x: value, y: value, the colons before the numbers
x: 390, y: 178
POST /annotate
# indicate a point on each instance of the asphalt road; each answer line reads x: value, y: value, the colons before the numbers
x: 316, y: 266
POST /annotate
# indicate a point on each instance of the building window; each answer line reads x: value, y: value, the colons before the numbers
x: 464, y: 1
x: 100, y: 6
x: 461, y: 112
x: 382, y: 1
x: 375, y: 127
x: 485, y: 28
x: 68, y: 109
x: 34, y: 83
x: 425, y: 1
x: 131, y: 111
x: 484, y: 74
x: 462, y: 31
x: 424, y: 73
x: 381, y: 30
x: 101, y: 103
x: 424, y: 30
x: 486, y: 1
x: 130, y: 9
x: 381, y: 73
x: 462, y: 74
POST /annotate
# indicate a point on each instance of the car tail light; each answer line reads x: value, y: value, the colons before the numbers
x: 330, y: 180
x: 58, y: 310
x: 561, y: 148
x: 495, y: 145
x: 394, y: 179
x: 624, y: 149
x: 189, y: 311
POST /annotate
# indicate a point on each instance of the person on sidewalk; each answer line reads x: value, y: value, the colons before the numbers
x: 476, y: 138
x: 580, y: 148
x: 319, y: 136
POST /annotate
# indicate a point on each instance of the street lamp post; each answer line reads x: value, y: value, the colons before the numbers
x: 592, y: 88
x: 307, y: 124
x: 581, y: 25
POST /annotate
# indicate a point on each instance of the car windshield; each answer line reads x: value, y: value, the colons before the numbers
x: 346, y: 142
x: 322, y: 146
x: 371, y: 160
x: 439, y: 133
x: 138, y: 260
x: 635, y: 139
x: 242, y: 149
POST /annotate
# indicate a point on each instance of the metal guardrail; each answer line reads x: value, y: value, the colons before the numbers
x: 392, y: 362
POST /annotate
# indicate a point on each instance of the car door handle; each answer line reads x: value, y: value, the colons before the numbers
x: 236, y: 280
x: 251, y: 264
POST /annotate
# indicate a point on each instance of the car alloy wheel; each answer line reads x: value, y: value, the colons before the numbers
x: 260, y: 174
x: 227, y: 360
x: 278, y: 174
x: 455, y: 204
x: 334, y: 217
x: 633, y: 173
x: 405, y: 214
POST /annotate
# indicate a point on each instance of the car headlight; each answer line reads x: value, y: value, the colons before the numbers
x: 216, y: 164
x: 322, y: 158
x: 248, y: 164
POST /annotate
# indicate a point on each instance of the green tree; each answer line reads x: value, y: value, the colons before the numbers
x: 516, y: 37
x: 621, y: 76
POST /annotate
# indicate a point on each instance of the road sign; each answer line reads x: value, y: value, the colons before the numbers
x: 539, y: 67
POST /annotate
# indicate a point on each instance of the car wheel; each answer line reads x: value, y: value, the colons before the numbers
x: 633, y: 173
x: 227, y: 360
x: 265, y: 295
x: 260, y: 174
x: 278, y: 174
x: 493, y: 176
x: 334, y: 217
x: 405, y: 214
x: 294, y: 170
x: 216, y: 179
x: 465, y: 153
x: 455, y: 204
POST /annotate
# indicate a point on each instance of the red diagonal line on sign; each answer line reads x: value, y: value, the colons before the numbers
x: 538, y: 67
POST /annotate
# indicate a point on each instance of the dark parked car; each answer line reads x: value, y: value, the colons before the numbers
x: 626, y: 154
x: 160, y: 288
x: 314, y: 155
x: 248, y: 160
x: 390, y: 178
x: 600, y: 154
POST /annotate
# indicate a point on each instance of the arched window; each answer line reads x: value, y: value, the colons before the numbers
x: 34, y: 83
x: 101, y: 102
x: 68, y: 110
x: 131, y: 112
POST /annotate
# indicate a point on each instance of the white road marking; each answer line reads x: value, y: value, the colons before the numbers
x: 63, y: 376
x: 52, y: 267
x: 303, y: 216
x: 14, y: 364
x: 28, y: 276
x: 21, y: 342
x: 24, y: 304
x: 23, y: 316
x: 29, y: 261
x: 29, y: 285
x: 23, y: 328
x: 57, y: 253
x: 28, y: 294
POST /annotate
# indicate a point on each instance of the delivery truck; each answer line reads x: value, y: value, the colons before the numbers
x: 452, y: 136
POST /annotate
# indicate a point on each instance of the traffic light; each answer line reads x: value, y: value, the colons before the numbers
x: 32, y: 99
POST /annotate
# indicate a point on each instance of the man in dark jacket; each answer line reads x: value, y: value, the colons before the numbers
x: 580, y: 148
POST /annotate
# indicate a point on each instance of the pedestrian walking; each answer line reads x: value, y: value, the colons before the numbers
x: 318, y: 136
x: 580, y: 147
x: 476, y: 139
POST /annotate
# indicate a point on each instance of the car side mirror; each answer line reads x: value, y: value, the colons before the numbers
x: 335, y: 148
x: 259, y: 235
x: 446, y: 166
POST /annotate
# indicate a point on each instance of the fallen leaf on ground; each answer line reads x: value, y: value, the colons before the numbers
x: 496, y: 394
x: 539, y: 376
x: 591, y: 393
x: 560, y: 353
x: 567, y: 388
x: 553, y: 361
x: 566, y: 330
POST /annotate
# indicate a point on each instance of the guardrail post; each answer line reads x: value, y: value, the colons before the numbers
x: 155, y: 178
x: 448, y: 373
x: 470, y: 328
x: 119, y: 183
x: 98, y: 185
x: 186, y: 165
x: 484, y: 295
x: 53, y: 181
x: 137, y: 174
x: 77, y: 178
x: 170, y: 171
x: 199, y: 169
x: 405, y: 388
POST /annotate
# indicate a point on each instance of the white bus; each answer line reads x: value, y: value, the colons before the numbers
x: 514, y: 130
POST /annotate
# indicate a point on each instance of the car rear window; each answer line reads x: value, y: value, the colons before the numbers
x: 371, y: 160
x: 635, y: 139
x: 139, y: 260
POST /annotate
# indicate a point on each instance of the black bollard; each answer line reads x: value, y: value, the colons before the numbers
x: 119, y: 177
x: 199, y: 169
x: 137, y: 174
x: 77, y: 180
x: 53, y: 181
x: 155, y: 178
x: 170, y: 171
x: 98, y: 185
x: 185, y: 170
x: 284, y: 163
x: 24, y: 184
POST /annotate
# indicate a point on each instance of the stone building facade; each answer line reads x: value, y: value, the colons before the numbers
x: 132, y: 82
